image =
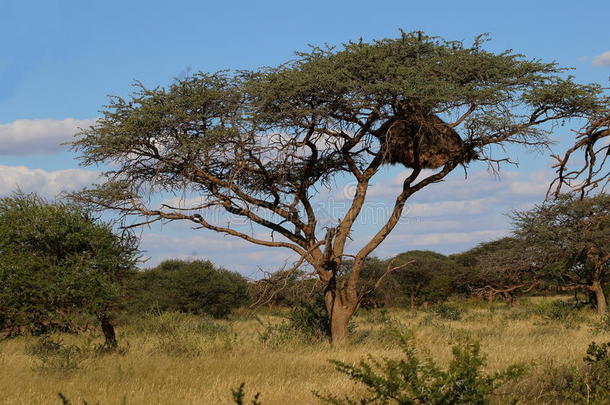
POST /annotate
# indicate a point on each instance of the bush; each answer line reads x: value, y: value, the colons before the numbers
x: 310, y: 319
x: 307, y: 322
x: 448, y: 311
x: 392, y: 331
x: 591, y: 385
x: 197, y: 287
x: 56, y: 261
x: 559, y: 311
x: 412, y: 381
x: 55, y: 356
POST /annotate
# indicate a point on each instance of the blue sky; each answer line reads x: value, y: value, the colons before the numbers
x: 60, y: 59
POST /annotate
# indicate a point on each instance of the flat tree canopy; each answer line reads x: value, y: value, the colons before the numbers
x: 262, y: 144
x: 576, y: 232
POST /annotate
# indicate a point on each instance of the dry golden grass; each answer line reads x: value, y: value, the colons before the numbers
x: 194, y: 367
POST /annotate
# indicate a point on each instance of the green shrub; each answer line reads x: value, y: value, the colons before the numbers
x: 55, y: 356
x: 59, y: 265
x: 197, y: 287
x: 278, y: 335
x: 307, y: 322
x: 591, y: 384
x: 413, y: 381
x: 393, y: 332
x: 310, y: 319
x: 602, y: 325
x: 559, y: 311
x: 448, y: 311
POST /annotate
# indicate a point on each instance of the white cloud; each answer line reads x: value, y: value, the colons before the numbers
x: 45, y: 183
x: 464, y: 207
x: 30, y: 137
x: 602, y: 59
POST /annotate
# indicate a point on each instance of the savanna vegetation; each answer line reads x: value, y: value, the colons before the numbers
x: 521, y: 319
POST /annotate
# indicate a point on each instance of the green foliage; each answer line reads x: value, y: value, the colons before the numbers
x: 430, y: 278
x: 591, y: 385
x: 280, y: 335
x: 196, y: 287
x: 239, y: 396
x: 56, y: 260
x: 448, y: 311
x: 413, y: 381
x: 392, y: 332
x: 602, y: 325
x: 311, y: 319
x: 559, y: 311
x: 307, y: 322
x: 573, y: 236
x: 56, y: 357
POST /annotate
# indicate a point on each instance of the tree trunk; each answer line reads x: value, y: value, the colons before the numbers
x: 108, y: 331
x: 412, y: 302
x: 600, y: 297
x: 339, y: 314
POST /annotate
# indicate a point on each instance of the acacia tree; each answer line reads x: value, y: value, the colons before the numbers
x: 576, y: 233
x: 504, y: 267
x: 261, y: 144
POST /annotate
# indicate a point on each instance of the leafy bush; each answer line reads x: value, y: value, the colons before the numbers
x: 278, y: 335
x: 196, y: 287
x: 55, y: 356
x: 559, y: 311
x: 448, y: 311
x: 591, y: 385
x: 307, y: 322
x: 602, y: 325
x: 310, y: 319
x: 57, y: 260
x: 392, y: 331
x: 413, y: 381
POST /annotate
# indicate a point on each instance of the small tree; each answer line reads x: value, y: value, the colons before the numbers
x: 196, y: 287
x: 575, y: 232
x: 504, y: 267
x: 428, y: 278
x: 261, y: 144
x: 55, y: 260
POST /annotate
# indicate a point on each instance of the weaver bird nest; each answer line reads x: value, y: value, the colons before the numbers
x: 418, y: 138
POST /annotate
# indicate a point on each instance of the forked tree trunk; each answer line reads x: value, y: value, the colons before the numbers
x: 600, y: 298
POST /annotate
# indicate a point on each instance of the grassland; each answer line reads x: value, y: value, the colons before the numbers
x: 180, y: 359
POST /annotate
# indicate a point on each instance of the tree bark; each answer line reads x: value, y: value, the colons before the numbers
x: 339, y: 314
x: 600, y: 297
x: 108, y: 331
x: 412, y: 302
